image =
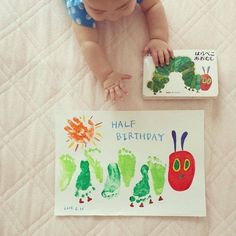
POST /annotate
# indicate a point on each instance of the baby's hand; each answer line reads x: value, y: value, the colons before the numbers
x: 114, y: 86
x: 160, y: 51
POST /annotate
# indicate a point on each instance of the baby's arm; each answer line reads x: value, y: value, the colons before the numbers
x: 98, y: 62
x: 158, y: 31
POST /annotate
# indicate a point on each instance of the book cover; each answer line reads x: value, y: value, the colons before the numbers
x: 190, y: 74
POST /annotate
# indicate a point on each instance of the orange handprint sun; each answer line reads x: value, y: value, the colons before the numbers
x: 81, y: 132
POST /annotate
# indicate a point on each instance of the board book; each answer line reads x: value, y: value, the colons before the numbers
x: 190, y: 74
x: 133, y: 163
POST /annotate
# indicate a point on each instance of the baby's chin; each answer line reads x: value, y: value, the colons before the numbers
x: 107, y: 19
x: 115, y: 18
x: 112, y: 18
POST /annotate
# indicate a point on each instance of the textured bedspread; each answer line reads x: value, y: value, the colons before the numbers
x: 42, y: 71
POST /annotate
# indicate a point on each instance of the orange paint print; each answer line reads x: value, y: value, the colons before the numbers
x: 82, y: 131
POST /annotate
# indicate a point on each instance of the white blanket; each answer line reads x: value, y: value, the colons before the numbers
x: 42, y: 71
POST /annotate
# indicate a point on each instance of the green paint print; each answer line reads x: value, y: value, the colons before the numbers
x: 126, y: 163
x: 83, y: 183
x: 112, y: 184
x: 158, y: 171
x: 94, y: 164
x: 68, y: 168
x: 186, y: 67
x: 142, y: 189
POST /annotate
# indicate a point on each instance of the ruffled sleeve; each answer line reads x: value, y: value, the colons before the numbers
x: 79, y: 14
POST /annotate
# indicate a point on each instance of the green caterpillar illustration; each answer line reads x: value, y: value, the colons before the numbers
x: 184, y: 65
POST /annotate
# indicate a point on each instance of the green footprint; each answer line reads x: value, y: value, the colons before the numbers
x: 68, y: 168
x: 112, y: 184
x: 158, y: 174
x: 126, y: 163
x: 141, y: 189
x: 94, y: 164
x: 83, y: 182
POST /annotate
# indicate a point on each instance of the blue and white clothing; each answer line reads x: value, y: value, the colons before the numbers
x: 79, y: 14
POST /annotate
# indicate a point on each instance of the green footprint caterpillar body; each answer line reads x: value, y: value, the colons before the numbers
x: 141, y: 189
x: 158, y: 171
x: 83, y: 183
x: 68, y: 167
x: 112, y: 184
x: 94, y: 164
x: 126, y: 163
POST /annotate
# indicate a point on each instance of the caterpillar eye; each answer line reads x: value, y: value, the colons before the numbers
x: 176, y: 165
x: 186, y: 164
x: 209, y: 81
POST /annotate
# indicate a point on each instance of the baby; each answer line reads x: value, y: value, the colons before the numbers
x: 85, y: 14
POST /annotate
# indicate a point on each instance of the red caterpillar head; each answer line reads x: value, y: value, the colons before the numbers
x: 181, y: 166
x: 206, y: 79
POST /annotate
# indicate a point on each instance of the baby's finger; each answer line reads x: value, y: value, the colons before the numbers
x: 146, y: 51
x: 171, y: 52
x: 118, y: 92
x: 112, y: 94
x: 155, y: 58
x: 122, y: 86
x: 161, y: 57
x: 167, y: 57
x: 126, y: 76
x: 106, y: 94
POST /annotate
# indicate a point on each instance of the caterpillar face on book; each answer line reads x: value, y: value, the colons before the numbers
x: 186, y: 67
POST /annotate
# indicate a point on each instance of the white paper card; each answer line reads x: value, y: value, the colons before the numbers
x: 130, y: 163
